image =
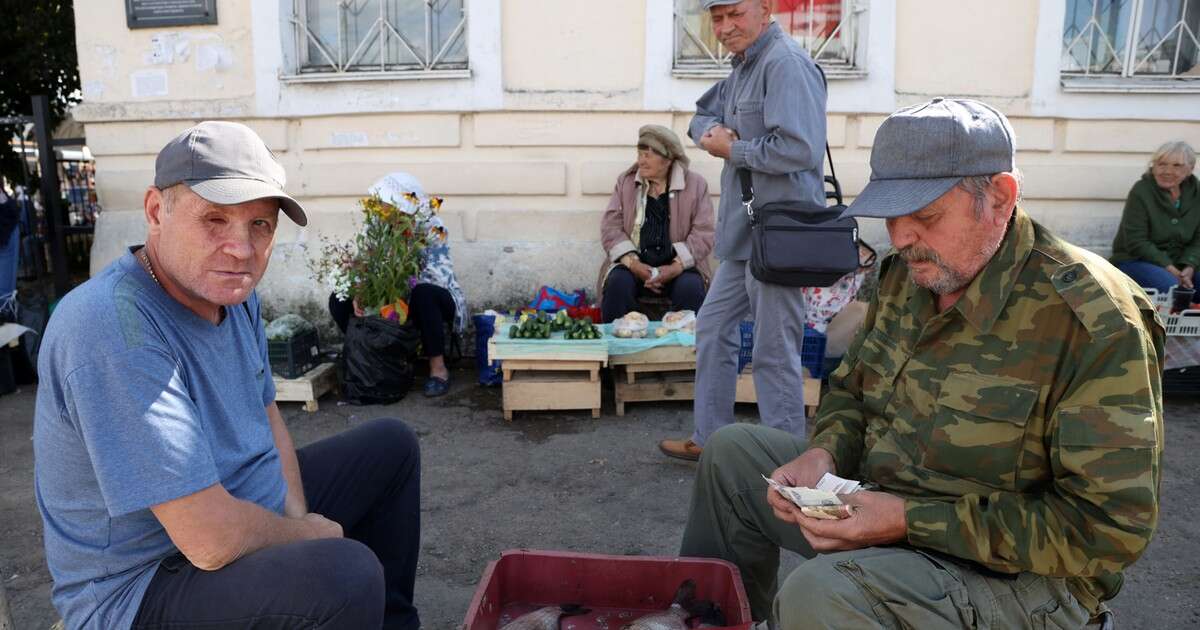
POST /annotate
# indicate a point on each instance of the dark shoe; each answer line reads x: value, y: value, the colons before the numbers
x: 435, y: 387
x: 680, y: 449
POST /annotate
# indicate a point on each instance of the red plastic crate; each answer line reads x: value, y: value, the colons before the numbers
x: 617, y: 589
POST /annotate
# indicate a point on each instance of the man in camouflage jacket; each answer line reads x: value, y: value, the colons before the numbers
x: 1002, y: 402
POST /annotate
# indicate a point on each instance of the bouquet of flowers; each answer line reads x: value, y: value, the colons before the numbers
x: 380, y: 268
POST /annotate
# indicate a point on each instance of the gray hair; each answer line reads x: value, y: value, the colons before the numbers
x: 170, y: 195
x: 978, y: 185
x: 1173, y: 148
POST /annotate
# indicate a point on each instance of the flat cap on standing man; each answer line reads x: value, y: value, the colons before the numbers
x: 1003, y: 401
x: 767, y: 117
x: 169, y: 487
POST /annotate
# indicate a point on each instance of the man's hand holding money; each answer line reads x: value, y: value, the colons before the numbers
x: 803, y: 472
x: 876, y: 518
x: 871, y: 518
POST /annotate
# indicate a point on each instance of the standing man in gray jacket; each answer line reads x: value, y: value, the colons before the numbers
x: 767, y: 117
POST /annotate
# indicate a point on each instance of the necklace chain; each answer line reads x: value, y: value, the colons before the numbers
x: 145, y: 258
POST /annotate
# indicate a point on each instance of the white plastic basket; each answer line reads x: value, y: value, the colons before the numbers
x: 1162, y: 301
x: 1182, y: 324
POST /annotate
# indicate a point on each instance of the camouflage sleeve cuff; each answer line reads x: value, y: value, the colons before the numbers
x: 929, y: 523
x: 842, y: 456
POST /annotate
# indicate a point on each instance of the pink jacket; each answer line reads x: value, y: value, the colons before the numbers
x: 691, y: 220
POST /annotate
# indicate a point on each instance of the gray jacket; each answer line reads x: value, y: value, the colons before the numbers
x: 775, y: 100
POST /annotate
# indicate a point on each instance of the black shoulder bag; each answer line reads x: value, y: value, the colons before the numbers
x: 798, y: 244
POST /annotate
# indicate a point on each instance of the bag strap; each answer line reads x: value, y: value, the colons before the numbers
x: 747, y: 180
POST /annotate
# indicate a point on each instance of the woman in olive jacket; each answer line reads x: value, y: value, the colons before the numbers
x: 1158, y: 243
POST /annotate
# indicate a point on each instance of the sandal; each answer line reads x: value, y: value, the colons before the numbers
x: 435, y: 387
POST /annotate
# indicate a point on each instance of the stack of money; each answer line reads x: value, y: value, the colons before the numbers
x: 823, y: 501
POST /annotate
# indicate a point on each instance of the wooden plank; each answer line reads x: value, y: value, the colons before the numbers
x: 747, y: 394
x: 661, y: 354
x: 544, y: 391
x: 652, y: 386
x: 550, y: 365
x: 658, y: 390
x: 6, y: 622
x: 502, y: 349
x: 308, y: 388
x: 745, y: 388
x: 661, y: 367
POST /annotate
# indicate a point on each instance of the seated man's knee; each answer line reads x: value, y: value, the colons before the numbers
x: 813, y: 595
x: 346, y: 576
x: 396, y: 436
x: 730, y: 441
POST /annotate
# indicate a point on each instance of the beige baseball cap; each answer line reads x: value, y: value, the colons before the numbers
x: 225, y: 163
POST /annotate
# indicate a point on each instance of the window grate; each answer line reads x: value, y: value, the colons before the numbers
x: 827, y: 29
x: 1132, y: 39
x: 337, y: 37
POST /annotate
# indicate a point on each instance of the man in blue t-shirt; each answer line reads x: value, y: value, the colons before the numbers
x: 170, y: 490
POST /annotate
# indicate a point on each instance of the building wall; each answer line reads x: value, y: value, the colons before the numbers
x: 527, y: 148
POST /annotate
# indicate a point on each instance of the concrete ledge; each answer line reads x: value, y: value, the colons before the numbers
x: 563, y: 129
x: 1093, y: 182
x: 136, y: 138
x: 115, y: 232
x: 351, y: 179
x: 1127, y: 136
x: 1034, y: 134
x: 835, y: 129
x: 393, y: 130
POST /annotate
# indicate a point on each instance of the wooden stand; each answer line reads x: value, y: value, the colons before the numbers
x: 545, y: 384
x: 308, y: 387
x: 662, y: 373
x: 669, y: 373
x: 812, y: 390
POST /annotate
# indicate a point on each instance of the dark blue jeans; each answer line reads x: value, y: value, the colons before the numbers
x: 1148, y: 274
x: 622, y: 290
x: 368, y: 479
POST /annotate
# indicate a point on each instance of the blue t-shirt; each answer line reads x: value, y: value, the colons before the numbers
x: 141, y: 401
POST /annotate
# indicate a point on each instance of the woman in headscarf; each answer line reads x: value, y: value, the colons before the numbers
x: 657, y: 231
x: 1158, y: 243
x: 436, y: 298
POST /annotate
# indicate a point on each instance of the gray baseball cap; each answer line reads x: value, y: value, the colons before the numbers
x: 225, y: 163
x: 708, y: 4
x: 921, y: 152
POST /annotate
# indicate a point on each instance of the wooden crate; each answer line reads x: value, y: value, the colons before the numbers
x: 547, y: 384
x: 812, y: 390
x: 669, y: 373
x: 309, y: 387
x: 662, y: 373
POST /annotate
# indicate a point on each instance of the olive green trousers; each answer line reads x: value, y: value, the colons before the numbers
x: 895, y: 586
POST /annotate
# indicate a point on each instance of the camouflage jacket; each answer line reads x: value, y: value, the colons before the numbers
x: 1023, y: 425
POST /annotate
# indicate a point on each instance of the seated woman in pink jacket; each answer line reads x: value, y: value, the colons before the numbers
x: 657, y: 231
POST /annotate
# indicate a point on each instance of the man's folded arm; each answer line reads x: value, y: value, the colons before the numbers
x: 212, y: 528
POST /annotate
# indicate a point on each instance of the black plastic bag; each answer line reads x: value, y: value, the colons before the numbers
x: 377, y: 360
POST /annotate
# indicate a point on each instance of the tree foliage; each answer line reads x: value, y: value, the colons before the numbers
x: 37, y: 56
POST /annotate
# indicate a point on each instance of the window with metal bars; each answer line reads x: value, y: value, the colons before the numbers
x: 1132, y: 39
x: 828, y: 29
x: 363, y: 37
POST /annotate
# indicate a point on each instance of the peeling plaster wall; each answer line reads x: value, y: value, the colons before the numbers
x: 526, y: 150
x: 207, y: 68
